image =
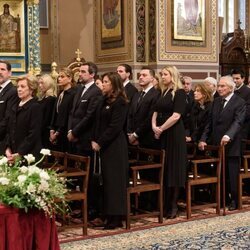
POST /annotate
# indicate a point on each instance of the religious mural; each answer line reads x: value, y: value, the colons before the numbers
x: 9, y: 31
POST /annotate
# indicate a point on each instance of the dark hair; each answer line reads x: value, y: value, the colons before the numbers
x: 205, y: 90
x: 8, y: 65
x: 151, y: 71
x: 117, y: 86
x: 92, y: 68
x: 127, y: 68
x: 238, y: 71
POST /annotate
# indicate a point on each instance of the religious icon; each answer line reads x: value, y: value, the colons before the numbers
x: 111, y: 20
x: 9, y: 31
x: 189, y: 20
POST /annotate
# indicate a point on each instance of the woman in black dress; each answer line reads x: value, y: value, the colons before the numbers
x: 203, y: 97
x: 62, y: 107
x: 47, y: 93
x: 110, y: 140
x: 24, y: 124
x: 168, y: 126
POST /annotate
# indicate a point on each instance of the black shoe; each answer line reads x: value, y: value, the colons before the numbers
x: 112, y: 226
x: 92, y: 214
x: 233, y: 206
x: 114, y: 222
x: 98, y: 222
x: 172, y: 214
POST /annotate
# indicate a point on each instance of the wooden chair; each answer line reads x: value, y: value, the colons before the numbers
x: 212, y: 155
x: 77, y: 167
x: 56, y: 160
x: 144, y: 160
x: 244, y: 172
x: 72, y: 167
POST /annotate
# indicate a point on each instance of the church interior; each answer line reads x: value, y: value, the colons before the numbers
x: 146, y: 34
x: 202, y: 38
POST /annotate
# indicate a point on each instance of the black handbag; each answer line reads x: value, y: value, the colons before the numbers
x: 97, y: 171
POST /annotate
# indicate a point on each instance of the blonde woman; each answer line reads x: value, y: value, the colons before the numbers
x: 63, y: 105
x: 47, y: 97
x: 168, y: 126
x: 24, y: 124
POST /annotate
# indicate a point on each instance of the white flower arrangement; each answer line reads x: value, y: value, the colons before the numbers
x: 28, y: 186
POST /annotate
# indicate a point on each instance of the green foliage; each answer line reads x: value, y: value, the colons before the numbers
x: 25, y: 186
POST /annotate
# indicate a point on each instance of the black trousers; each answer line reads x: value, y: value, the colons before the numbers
x: 232, y: 173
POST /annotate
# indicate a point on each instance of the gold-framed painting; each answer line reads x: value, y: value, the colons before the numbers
x: 17, y: 65
x: 12, y: 28
x: 189, y: 20
x: 112, y: 23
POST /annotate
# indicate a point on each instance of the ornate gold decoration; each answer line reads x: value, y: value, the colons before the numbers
x: 54, y: 73
x: 169, y: 52
x: 78, y: 53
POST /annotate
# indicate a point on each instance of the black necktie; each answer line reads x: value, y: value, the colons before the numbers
x: 80, y: 94
x: 82, y: 89
x: 140, y: 97
x: 222, y: 103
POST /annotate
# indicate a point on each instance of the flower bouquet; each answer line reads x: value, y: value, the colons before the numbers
x: 24, y: 185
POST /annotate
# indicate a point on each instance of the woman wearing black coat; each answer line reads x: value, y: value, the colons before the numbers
x: 24, y: 125
x: 46, y: 98
x: 109, y: 138
x: 63, y: 105
x: 200, y: 112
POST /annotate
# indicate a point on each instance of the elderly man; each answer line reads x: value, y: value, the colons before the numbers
x: 227, y: 118
x: 212, y: 84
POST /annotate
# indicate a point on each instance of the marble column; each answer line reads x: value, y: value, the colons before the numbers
x: 34, y: 58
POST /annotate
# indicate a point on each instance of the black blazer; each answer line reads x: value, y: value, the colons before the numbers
x: 24, y: 128
x: 244, y: 93
x: 47, y: 106
x: 199, y: 119
x: 82, y: 115
x: 187, y: 115
x: 60, y: 119
x: 228, y: 122
x: 8, y: 97
x: 130, y: 91
x: 110, y: 119
x: 139, y: 116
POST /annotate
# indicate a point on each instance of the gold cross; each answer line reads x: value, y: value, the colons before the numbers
x: 78, y: 53
x: 239, y: 23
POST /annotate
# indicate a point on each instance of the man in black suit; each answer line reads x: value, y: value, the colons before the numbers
x: 244, y: 92
x: 187, y: 86
x: 125, y: 72
x: 81, y: 120
x: 8, y: 97
x: 227, y: 118
x: 140, y: 112
x: 81, y: 117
